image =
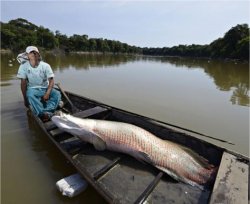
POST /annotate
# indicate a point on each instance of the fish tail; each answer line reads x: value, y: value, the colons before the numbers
x: 206, y: 173
x: 207, y: 176
x: 213, y: 173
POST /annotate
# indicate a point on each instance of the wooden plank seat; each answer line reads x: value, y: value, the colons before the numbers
x: 142, y: 198
x: 231, y: 184
x: 90, y: 112
x: 72, y: 145
x: 106, y: 168
x: 82, y: 114
x: 56, y: 132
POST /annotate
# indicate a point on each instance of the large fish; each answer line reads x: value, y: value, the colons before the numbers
x: 177, y: 161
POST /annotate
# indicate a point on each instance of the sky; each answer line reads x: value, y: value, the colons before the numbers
x: 143, y: 23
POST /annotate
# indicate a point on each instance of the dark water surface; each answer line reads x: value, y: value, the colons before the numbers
x: 210, y: 97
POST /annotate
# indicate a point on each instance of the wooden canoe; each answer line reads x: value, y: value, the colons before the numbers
x: 120, y: 178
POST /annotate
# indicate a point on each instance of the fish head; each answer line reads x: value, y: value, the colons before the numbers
x: 73, y: 125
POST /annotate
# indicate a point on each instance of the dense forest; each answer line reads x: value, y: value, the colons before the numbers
x: 234, y: 45
x: 18, y: 33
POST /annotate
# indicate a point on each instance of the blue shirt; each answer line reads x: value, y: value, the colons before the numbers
x: 37, y: 77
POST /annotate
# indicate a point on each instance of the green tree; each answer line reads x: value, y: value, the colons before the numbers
x: 45, y: 38
x: 78, y: 42
x: 242, y: 48
x: 7, y: 38
x: 63, y: 41
x: 92, y: 45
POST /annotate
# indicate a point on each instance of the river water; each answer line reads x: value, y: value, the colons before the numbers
x: 207, y: 96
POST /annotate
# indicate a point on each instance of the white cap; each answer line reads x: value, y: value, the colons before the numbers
x: 31, y: 48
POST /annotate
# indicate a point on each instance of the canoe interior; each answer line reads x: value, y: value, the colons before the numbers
x: 207, y: 150
x: 119, y: 178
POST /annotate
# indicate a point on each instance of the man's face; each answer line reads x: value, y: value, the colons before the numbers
x: 33, y: 55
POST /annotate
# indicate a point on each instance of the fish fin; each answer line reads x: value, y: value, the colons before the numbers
x: 180, y: 179
x: 98, y: 143
x: 143, y: 157
x: 199, y: 159
x: 170, y: 173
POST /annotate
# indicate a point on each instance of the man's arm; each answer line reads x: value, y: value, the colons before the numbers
x: 50, y: 87
x: 24, y: 89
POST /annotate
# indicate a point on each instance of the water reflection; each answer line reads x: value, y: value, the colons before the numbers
x: 240, y: 95
x: 227, y: 76
x: 9, y: 66
x: 86, y: 61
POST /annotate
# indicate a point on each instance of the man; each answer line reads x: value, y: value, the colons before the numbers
x: 37, y: 81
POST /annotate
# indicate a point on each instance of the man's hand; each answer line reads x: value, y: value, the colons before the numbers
x: 45, y: 97
x: 47, y: 94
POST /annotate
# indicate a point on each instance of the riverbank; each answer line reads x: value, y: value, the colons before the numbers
x: 4, y: 51
x: 62, y: 52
